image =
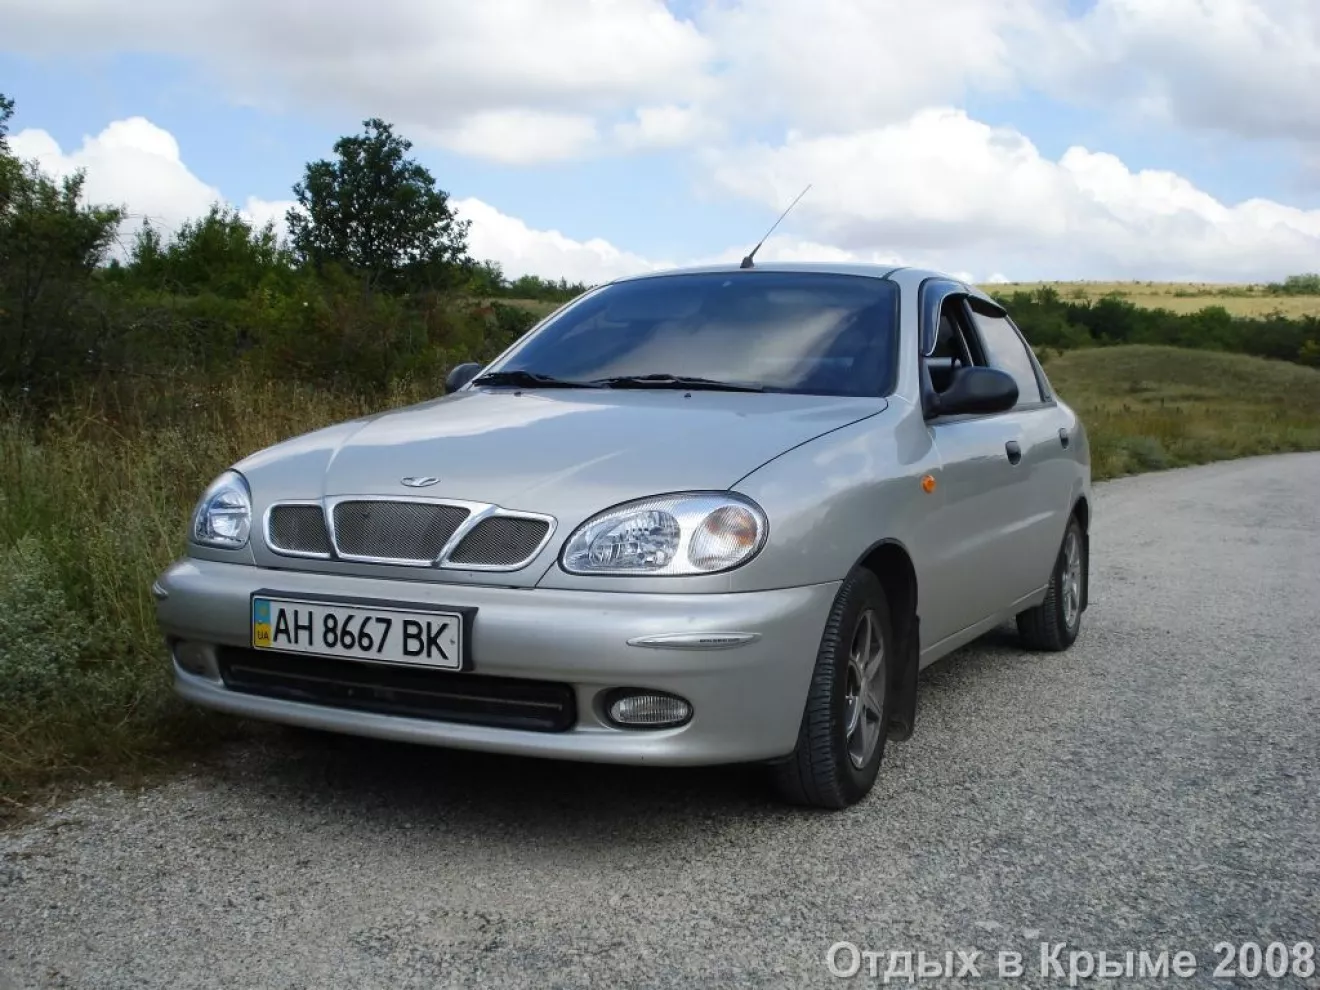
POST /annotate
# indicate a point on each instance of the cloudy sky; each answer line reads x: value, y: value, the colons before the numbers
x: 1020, y: 139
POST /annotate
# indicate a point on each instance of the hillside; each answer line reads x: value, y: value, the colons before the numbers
x: 1149, y: 407
x: 1242, y: 299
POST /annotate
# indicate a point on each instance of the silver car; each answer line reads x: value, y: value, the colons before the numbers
x: 715, y: 515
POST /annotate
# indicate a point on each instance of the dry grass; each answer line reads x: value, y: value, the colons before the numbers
x: 1240, y: 299
x: 93, y: 504
x: 1148, y: 408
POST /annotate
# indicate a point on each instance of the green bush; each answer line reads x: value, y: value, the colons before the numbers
x: 1145, y: 453
x: 44, y: 636
x: 1296, y: 285
x: 1047, y: 319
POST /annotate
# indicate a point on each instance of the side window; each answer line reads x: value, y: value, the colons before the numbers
x: 949, y: 343
x: 1007, y: 351
x: 955, y: 347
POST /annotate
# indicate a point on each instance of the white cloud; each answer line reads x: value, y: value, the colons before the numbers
x: 259, y: 212
x: 498, y: 78
x: 494, y: 79
x: 666, y: 127
x: 966, y: 195
x: 1247, y: 67
x: 520, y: 81
x: 136, y: 165
x: 131, y: 163
x: 520, y: 137
x: 834, y: 64
x: 939, y: 190
x: 522, y: 250
x: 782, y: 247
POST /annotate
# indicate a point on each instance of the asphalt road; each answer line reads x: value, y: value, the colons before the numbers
x: 1155, y: 789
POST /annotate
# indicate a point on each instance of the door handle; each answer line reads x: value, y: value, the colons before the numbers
x: 1064, y: 437
x: 1014, y: 451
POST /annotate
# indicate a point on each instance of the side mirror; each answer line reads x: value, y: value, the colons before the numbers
x: 975, y: 390
x: 460, y: 375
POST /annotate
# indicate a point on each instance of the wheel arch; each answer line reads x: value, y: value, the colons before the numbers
x: 892, y: 566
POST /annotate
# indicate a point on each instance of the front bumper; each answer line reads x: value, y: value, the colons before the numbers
x: 747, y: 700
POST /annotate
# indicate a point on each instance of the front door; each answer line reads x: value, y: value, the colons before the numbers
x: 980, y: 481
x: 1044, y: 474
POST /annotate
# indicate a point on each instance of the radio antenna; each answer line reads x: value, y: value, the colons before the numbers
x: 747, y: 261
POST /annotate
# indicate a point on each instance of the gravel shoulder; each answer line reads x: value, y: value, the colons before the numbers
x: 1157, y: 787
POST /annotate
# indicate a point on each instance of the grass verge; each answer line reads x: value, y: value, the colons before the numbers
x: 93, y: 504
x: 93, y: 501
x: 1150, y: 408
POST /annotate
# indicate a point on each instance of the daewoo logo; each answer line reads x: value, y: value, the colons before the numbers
x: 422, y: 482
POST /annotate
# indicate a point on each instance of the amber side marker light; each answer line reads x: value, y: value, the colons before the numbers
x: 928, y: 483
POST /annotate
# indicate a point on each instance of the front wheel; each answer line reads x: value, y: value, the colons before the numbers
x: 841, y: 740
x: 1055, y: 622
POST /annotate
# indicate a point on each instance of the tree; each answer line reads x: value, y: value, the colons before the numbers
x: 45, y: 230
x: 50, y: 244
x: 486, y: 278
x: 6, y: 113
x: 378, y: 214
x: 220, y: 252
x: 9, y: 165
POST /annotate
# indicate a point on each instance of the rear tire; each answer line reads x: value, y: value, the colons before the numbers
x: 1054, y: 623
x: 841, y: 740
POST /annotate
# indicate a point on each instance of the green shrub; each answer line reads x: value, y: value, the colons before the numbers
x: 1296, y: 285
x: 44, y: 637
x: 1146, y: 453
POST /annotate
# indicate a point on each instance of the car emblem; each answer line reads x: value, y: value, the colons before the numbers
x: 422, y: 482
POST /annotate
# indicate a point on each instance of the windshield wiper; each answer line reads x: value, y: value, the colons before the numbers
x: 528, y: 379
x: 675, y: 382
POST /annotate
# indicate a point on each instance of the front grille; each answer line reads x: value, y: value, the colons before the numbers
x: 414, y: 531
x: 500, y: 541
x: 298, y: 529
x: 444, y: 696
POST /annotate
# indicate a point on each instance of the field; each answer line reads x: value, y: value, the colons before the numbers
x: 1240, y: 299
x: 1244, y: 299
x: 94, y: 504
x: 1149, y: 408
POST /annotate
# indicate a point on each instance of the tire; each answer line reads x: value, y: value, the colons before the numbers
x: 831, y: 767
x: 1054, y: 623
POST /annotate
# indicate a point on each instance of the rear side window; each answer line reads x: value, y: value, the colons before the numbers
x: 1007, y: 351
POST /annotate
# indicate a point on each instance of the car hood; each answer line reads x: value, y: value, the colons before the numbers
x: 567, y: 453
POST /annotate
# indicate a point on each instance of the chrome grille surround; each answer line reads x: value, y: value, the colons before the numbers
x: 499, y: 541
x: 482, y: 554
x: 401, y: 531
x: 302, y: 535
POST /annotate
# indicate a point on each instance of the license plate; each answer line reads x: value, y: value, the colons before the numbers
x: 428, y: 638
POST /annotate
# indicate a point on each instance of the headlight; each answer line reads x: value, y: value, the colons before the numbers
x: 668, y: 535
x: 223, y: 517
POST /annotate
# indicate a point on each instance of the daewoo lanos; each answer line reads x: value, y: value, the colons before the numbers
x: 714, y: 515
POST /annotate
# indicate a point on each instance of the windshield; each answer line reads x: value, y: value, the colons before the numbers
x: 808, y: 332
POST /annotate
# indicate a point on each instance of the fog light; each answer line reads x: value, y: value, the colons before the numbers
x: 648, y: 709
x: 195, y: 658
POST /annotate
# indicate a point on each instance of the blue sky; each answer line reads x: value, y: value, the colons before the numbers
x: 1020, y: 146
